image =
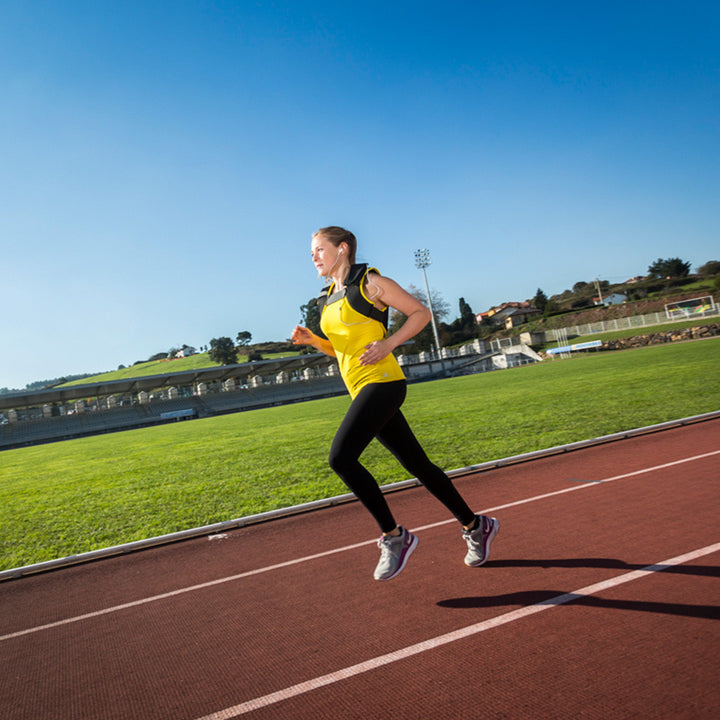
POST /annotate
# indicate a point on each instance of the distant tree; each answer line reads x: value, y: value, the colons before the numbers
x: 551, y: 308
x: 712, y: 267
x: 669, y: 268
x: 461, y: 329
x: 578, y: 287
x: 244, y: 338
x: 222, y: 350
x: 486, y: 327
x: 425, y: 339
x: 467, y: 316
x: 440, y: 308
x: 310, y: 317
x: 540, y: 300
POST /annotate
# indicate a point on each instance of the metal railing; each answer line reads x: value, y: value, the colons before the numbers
x: 624, y: 323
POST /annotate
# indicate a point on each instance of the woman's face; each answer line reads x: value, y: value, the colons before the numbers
x: 325, y: 256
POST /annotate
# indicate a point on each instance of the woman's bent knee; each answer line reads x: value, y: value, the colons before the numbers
x: 339, y: 463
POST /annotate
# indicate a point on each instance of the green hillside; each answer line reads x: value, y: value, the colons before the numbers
x: 161, y: 367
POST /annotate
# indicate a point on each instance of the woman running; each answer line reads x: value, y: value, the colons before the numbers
x: 354, y: 311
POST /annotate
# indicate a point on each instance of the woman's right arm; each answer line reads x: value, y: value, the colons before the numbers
x: 302, y: 336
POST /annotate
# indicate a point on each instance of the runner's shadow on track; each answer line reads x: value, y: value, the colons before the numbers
x: 610, y: 563
x: 546, y: 597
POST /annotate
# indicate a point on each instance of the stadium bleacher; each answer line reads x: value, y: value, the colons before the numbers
x: 71, y: 411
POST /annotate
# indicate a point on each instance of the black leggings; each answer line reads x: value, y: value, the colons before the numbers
x: 375, y: 413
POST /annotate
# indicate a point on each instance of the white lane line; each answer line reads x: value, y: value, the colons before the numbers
x: 431, y: 643
x: 308, y: 558
x: 182, y: 591
x: 574, y: 488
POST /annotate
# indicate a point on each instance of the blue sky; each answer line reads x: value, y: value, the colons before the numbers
x: 164, y: 164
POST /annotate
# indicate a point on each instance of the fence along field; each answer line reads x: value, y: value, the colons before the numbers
x: 75, y: 496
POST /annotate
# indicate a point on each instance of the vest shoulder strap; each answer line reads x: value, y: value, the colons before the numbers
x: 353, y: 291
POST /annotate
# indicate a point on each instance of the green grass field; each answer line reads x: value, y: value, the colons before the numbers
x: 79, y: 495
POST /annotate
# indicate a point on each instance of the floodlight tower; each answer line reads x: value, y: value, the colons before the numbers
x: 422, y: 261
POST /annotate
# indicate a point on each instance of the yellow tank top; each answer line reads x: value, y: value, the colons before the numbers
x: 349, y: 332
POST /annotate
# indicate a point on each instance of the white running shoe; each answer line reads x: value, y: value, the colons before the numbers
x: 478, y: 540
x: 394, y: 553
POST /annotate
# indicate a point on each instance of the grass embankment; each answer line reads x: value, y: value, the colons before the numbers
x: 162, y: 367
x: 84, y: 494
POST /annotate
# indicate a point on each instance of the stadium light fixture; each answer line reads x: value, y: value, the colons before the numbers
x: 422, y: 261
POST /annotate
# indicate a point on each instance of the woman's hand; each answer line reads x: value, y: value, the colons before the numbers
x: 375, y: 352
x: 302, y: 336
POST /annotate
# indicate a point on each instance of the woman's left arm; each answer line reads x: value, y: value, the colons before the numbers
x: 390, y: 294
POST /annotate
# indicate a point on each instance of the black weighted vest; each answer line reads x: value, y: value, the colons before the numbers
x: 353, y: 284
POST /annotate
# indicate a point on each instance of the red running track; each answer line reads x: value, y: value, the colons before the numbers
x: 601, y: 599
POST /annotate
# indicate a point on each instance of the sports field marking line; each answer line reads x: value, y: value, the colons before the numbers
x: 461, y: 633
x: 345, y: 548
